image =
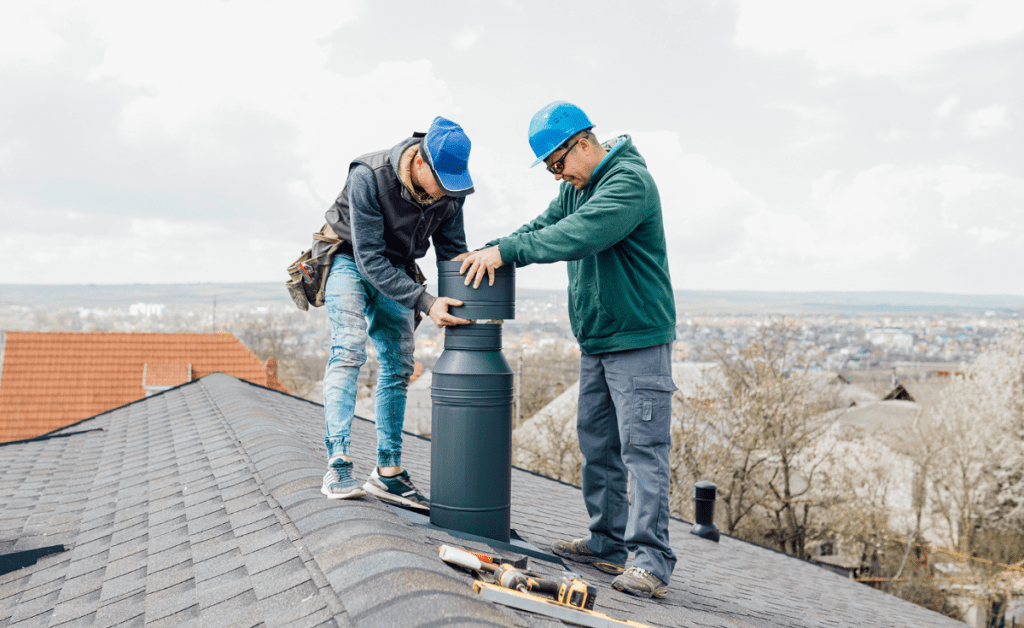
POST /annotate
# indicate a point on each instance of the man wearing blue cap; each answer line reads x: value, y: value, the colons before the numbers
x: 606, y: 222
x: 394, y: 204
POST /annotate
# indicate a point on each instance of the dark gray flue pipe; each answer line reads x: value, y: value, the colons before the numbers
x: 471, y: 411
x: 704, y: 501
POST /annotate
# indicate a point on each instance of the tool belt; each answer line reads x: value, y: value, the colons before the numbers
x: 307, y: 276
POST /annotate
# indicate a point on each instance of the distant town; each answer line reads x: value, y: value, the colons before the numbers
x: 852, y: 331
x: 868, y: 336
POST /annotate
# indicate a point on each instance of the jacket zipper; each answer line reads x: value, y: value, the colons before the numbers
x: 575, y: 284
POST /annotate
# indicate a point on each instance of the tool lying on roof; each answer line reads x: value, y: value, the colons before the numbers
x: 567, y: 589
x: 550, y: 608
x: 496, y: 560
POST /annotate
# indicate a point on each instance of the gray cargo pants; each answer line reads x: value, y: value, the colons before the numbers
x: 623, y: 421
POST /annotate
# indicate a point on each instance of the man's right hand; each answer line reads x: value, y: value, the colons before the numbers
x: 439, y: 312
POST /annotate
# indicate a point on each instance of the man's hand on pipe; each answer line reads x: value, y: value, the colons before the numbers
x: 479, y: 263
x: 439, y: 312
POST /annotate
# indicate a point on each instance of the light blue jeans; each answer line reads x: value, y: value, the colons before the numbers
x: 352, y: 303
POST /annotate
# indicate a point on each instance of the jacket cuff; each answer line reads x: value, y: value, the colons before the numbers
x: 425, y: 302
x: 507, y: 249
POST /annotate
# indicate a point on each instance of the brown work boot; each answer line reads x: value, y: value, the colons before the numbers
x: 641, y: 583
x: 577, y: 551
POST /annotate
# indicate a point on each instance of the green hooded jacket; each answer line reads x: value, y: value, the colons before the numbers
x: 612, y: 236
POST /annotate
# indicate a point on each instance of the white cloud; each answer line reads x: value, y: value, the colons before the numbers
x: 207, y: 117
x: 467, y: 37
x: 201, y: 133
x: 25, y: 36
x: 148, y: 251
x: 876, y: 37
x: 894, y: 134
x: 704, y: 210
x: 950, y: 229
x: 986, y: 235
x: 945, y: 110
x: 987, y: 121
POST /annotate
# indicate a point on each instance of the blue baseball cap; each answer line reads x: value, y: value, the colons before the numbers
x: 445, y: 148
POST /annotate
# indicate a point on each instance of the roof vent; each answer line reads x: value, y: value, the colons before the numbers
x: 704, y: 500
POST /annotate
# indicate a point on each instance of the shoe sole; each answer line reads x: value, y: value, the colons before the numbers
x: 394, y: 499
x: 658, y: 593
x: 609, y: 568
x: 353, y: 494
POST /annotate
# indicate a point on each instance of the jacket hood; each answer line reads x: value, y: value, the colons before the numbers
x: 395, y: 154
x: 620, y: 150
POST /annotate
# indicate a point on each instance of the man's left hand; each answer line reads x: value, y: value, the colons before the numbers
x: 440, y: 315
x: 479, y: 263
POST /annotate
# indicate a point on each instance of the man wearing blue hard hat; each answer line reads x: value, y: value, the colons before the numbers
x: 606, y: 222
x: 394, y: 204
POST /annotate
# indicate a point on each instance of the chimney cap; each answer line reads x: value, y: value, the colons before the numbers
x: 705, y: 490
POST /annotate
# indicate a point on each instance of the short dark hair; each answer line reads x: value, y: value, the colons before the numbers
x: 577, y: 136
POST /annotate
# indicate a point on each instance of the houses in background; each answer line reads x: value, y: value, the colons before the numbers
x: 49, y: 380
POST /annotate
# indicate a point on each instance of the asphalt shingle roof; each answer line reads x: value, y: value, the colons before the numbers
x: 51, y: 379
x: 201, y: 506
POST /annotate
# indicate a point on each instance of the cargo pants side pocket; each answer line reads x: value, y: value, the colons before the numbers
x: 652, y: 410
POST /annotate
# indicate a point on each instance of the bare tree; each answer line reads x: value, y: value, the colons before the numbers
x: 755, y: 430
x: 975, y: 479
x: 546, y: 440
x: 284, y: 335
x: 543, y: 374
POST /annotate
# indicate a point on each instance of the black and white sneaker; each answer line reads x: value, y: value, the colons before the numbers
x: 338, y: 482
x: 397, y: 490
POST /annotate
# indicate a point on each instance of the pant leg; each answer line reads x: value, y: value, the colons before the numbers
x: 641, y: 386
x: 603, y: 475
x: 346, y: 303
x: 391, y: 331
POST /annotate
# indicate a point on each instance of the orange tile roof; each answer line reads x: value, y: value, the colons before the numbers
x: 51, y: 379
x: 159, y: 374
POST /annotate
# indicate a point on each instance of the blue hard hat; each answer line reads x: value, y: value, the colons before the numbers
x: 445, y: 148
x: 554, y: 124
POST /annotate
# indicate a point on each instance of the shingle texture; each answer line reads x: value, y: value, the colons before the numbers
x: 51, y: 379
x: 201, y: 506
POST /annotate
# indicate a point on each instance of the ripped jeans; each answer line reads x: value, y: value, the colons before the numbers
x: 358, y: 310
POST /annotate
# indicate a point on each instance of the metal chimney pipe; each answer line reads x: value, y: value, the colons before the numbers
x: 704, y: 495
x: 497, y: 302
x: 471, y: 414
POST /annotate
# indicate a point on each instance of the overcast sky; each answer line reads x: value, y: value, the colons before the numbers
x: 797, y: 145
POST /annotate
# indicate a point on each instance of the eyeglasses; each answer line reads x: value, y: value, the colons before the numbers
x: 558, y: 166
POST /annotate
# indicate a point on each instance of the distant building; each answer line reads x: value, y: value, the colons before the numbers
x: 49, y: 380
x: 146, y: 309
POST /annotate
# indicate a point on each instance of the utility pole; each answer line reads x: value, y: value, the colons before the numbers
x: 214, y: 330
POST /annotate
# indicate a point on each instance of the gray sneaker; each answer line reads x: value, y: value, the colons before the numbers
x: 338, y: 482
x: 641, y: 583
x: 397, y: 490
x: 579, y: 552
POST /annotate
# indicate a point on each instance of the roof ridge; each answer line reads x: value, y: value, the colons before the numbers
x: 293, y: 534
